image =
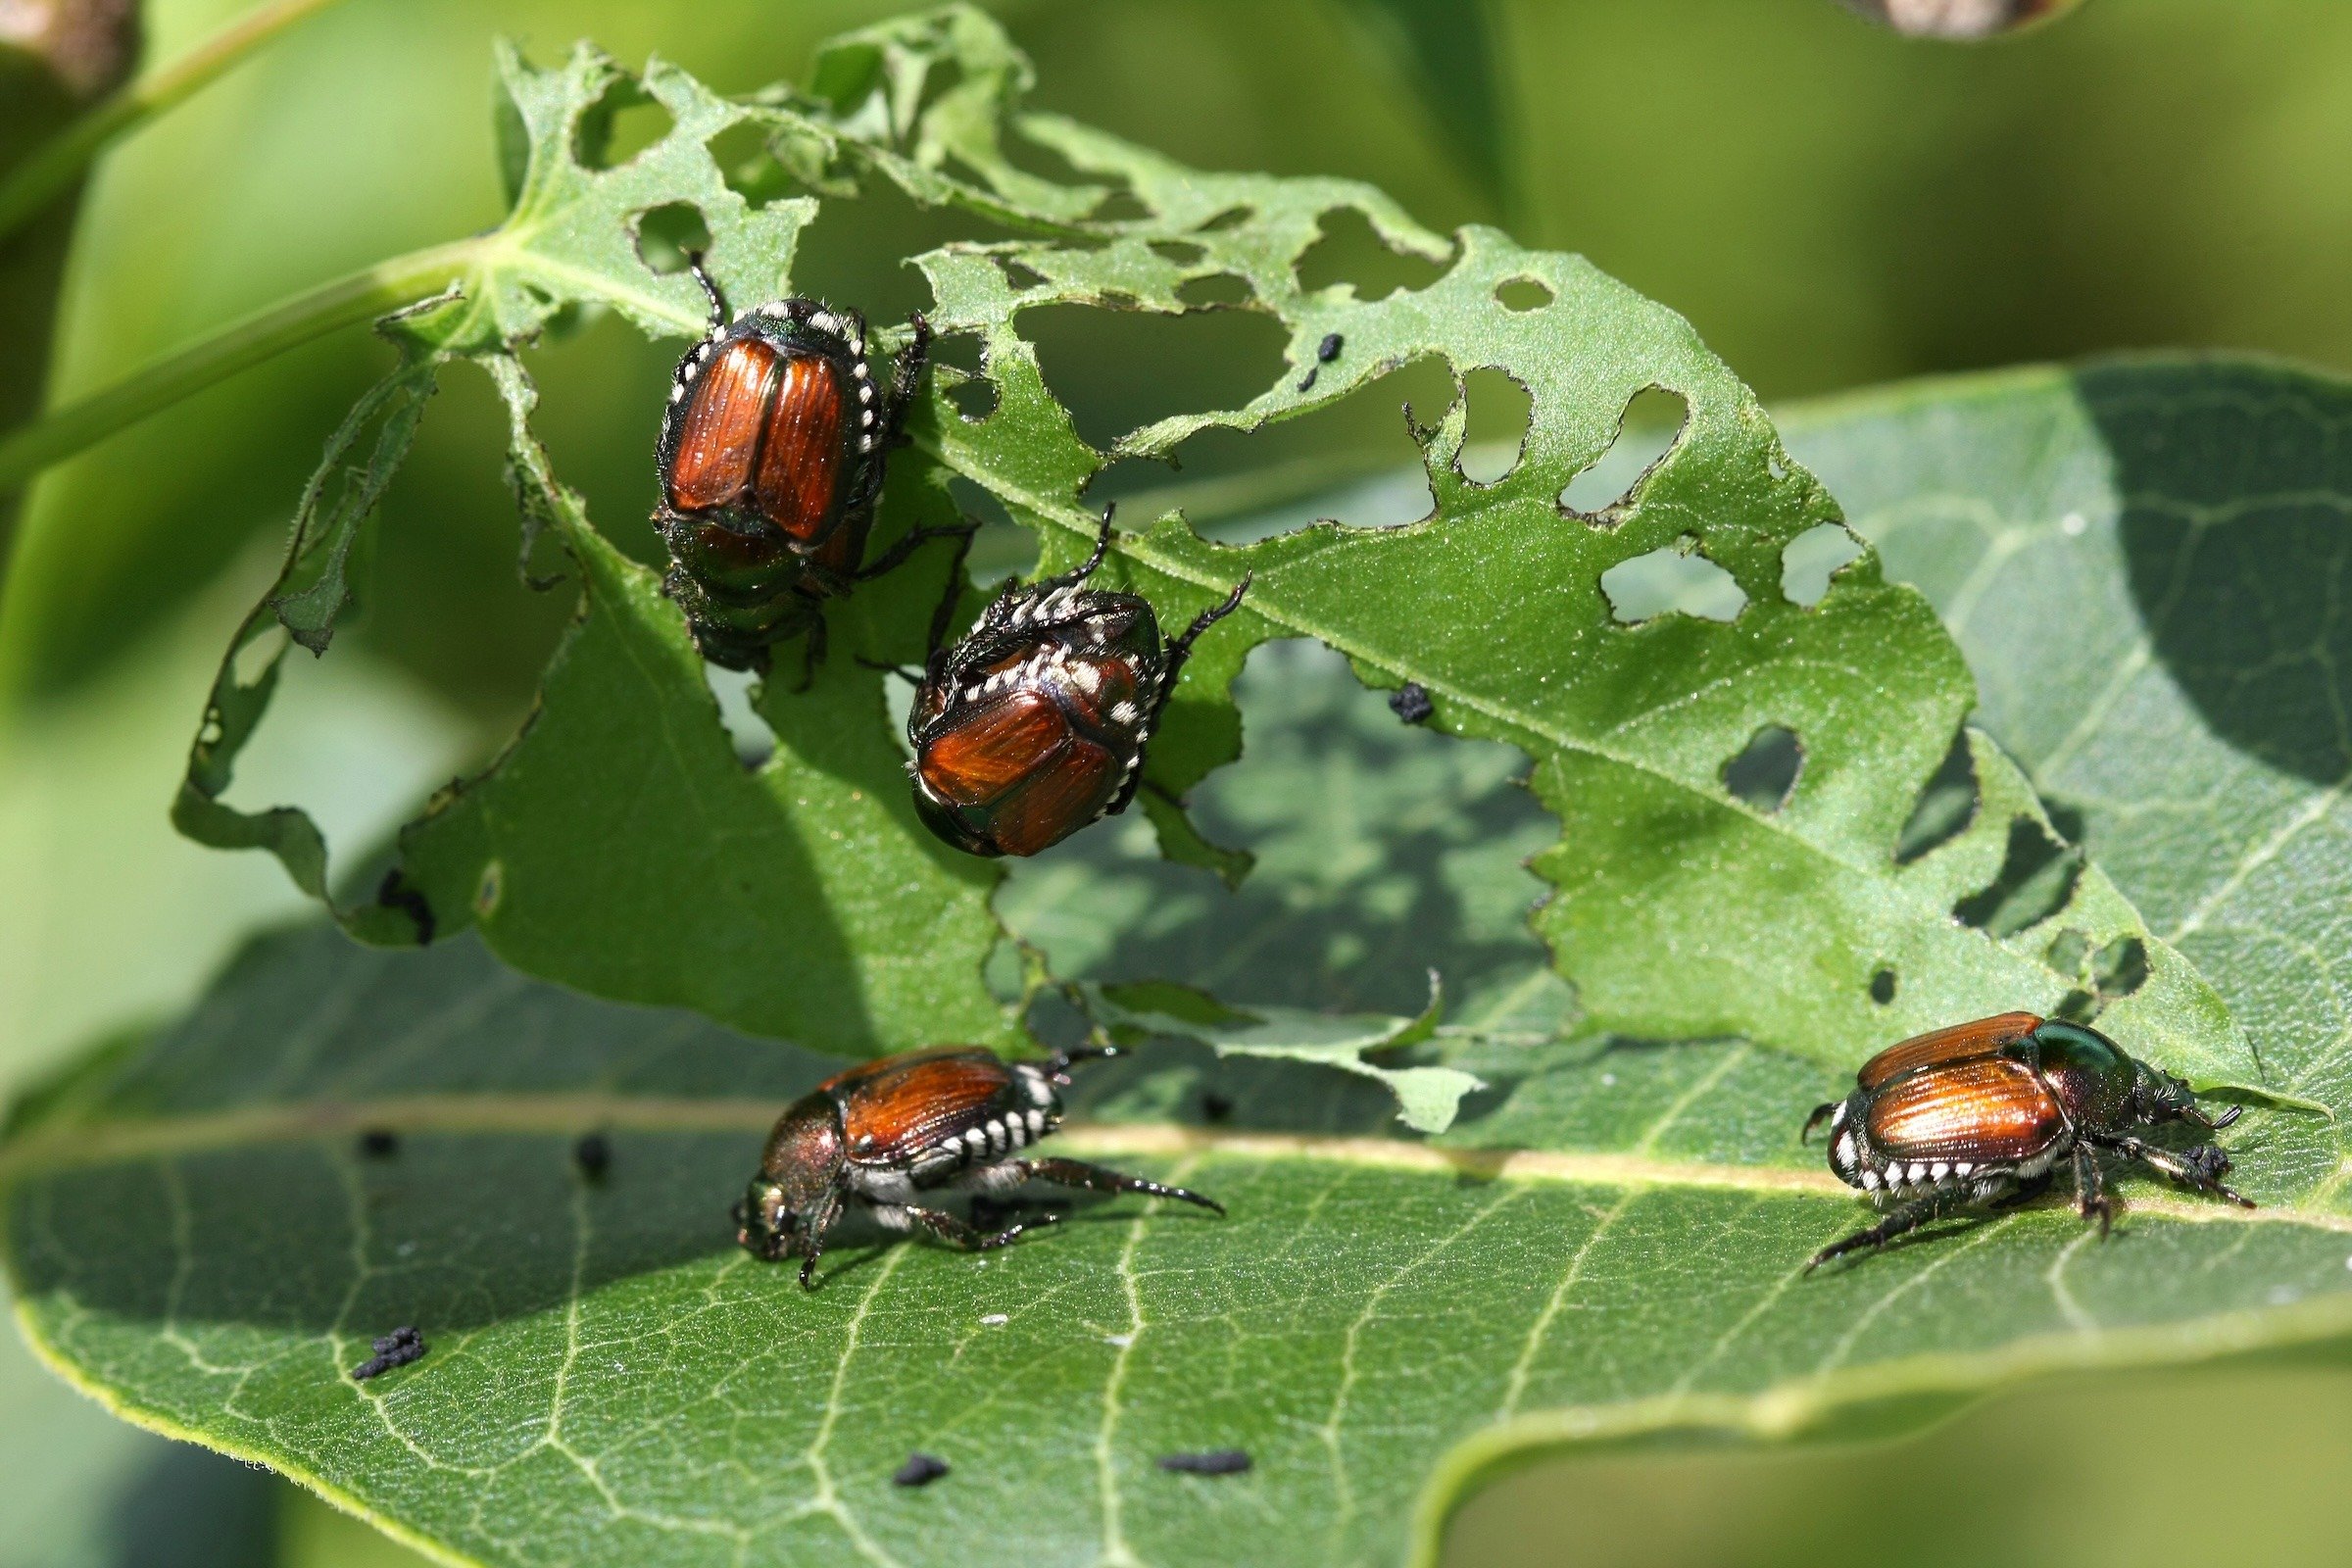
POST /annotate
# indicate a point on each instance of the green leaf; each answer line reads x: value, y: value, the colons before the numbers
x: 1426, y: 1098
x: 2139, y: 559
x: 602, y: 849
x: 800, y: 897
x: 1606, y: 1247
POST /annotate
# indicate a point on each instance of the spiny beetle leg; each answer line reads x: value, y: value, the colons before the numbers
x: 1820, y: 1114
x: 1096, y: 1178
x: 905, y: 372
x: 2201, y: 1167
x: 1906, y: 1217
x: 2091, y: 1201
x: 947, y: 1228
x: 908, y: 543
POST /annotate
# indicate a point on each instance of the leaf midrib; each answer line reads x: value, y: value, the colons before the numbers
x: 1132, y: 547
x: 70, y: 1144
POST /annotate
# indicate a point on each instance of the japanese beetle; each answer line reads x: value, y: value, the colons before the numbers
x: 921, y: 1121
x: 1981, y: 1115
x: 1035, y: 724
x: 771, y: 458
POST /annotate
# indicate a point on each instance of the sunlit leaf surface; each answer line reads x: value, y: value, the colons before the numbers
x: 619, y: 847
x: 2141, y: 559
x: 1607, y: 1245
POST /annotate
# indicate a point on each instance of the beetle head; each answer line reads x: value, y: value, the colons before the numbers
x: 797, y: 1184
x: 949, y: 824
x: 2159, y: 1097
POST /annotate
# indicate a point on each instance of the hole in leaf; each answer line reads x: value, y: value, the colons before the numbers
x: 1119, y: 370
x: 2037, y: 876
x: 1500, y: 411
x: 1882, y: 986
x: 2076, y: 1006
x: 1119, y: 204
x: 253, y: 661
x: 974, y: 399
x: 837, y: 256
x: 1351, y: 459
x: 1947, y: 804
x: 1673, y: 577
x: 2068, y: 950
x: 1764, y: 773
x: 1523, y: 294
x: 1812, y: 559
x: 1002, y: 548
x: 746, y: 163
x: 1230, y: 217
x: 962, y: 362
x: 618, y: 126
x: 1183, y: 252
x: 667, y: 233
x: 1218, y: 289
x: 755, y: 742
x: 2120, y: 967
x: 1652, y: 422
x: 1019, y: 274
x: 1349, y: 250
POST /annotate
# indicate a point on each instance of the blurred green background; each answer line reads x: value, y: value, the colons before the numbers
x: 1832, y: 205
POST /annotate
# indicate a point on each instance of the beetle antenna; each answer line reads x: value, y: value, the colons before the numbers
x: 718, y: 301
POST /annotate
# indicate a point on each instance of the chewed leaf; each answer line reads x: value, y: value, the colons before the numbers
x: 2139, y: 559
x: 1426, y: 1096
x: 214, y: 1227
x: 610, y: 848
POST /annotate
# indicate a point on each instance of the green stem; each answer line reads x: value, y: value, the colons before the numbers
x: 371, y: 292
x: 33, y: 183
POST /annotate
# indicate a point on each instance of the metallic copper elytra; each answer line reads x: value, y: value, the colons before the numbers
x: 895, y: 1108
x: 771, y: 459
x: 1983, y: 1114
x: 1035, y: 724
x: 1958, y: 1043
x: 1989, y: 1109
x: 763, y: 431
x: 1023, y: 761
x: 725, y: 419
x: 886, y: 1132
x: 802, y: 459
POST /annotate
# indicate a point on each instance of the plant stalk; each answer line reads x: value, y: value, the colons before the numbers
x: 356, y: 297
x: 33, y: 183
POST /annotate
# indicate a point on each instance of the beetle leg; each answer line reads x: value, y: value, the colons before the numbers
x: 1905, y: 1217
x: 954, y: 1232
x: 2091, y: 1201
x: 944, y: 613
x: 1172, y: 664
x: 718, y: 301
x: 1078, y: 1173
x: 1181, y: 649
x: 905, y: 372
x: 2201, y: 1167
x: 907, y: 544
x: 1101, y: 546
x: 1820, y: 1114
